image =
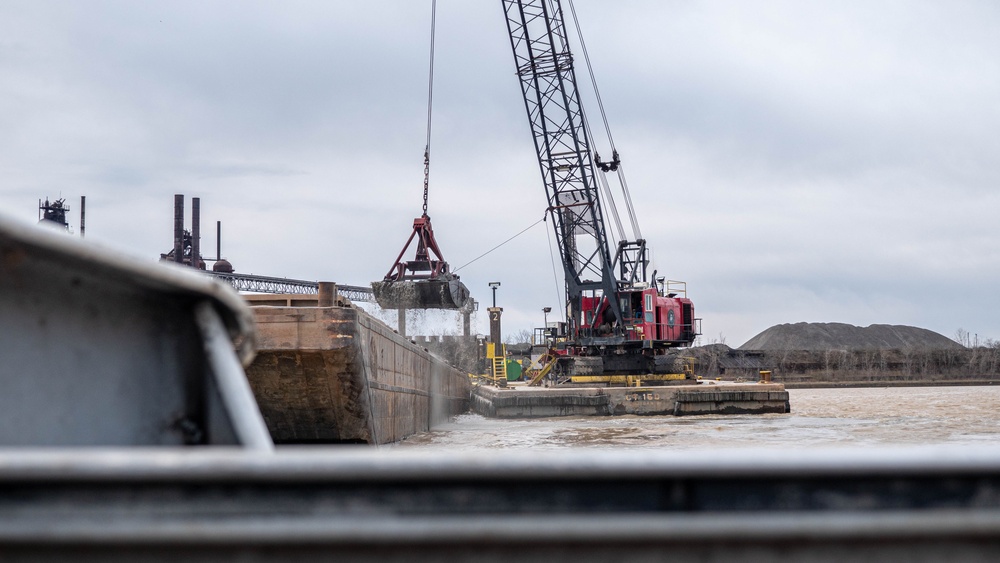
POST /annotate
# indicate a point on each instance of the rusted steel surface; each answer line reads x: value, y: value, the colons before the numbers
x: 335, y: 374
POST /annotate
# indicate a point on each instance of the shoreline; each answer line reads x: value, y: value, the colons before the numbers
x: 912, y: 383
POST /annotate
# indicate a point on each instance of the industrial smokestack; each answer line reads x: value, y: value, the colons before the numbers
x: 179, y: 228
x: 83, y: 215
x: 218, y: 241
x: 196, y: 232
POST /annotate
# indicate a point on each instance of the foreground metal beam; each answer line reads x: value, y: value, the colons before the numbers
x: 102, y: 349
x: 250, y: 283
x: 234, y: 392
x: 913, y: 504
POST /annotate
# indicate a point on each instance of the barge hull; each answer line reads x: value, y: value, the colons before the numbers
x: 677, y: 400
x: 337, y: 375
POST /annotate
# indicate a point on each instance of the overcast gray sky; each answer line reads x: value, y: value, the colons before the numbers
x: 791, y: 160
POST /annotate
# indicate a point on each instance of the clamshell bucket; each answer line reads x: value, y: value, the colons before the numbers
x: 426, y: 282
x: 421, y: 294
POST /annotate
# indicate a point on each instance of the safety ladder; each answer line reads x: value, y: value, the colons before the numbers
x: 498, y: 363
x: 500, y: 371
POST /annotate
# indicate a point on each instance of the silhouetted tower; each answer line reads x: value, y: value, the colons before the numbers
x: 55, y: 212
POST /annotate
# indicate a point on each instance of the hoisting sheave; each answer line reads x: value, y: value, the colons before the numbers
x: 424, y: 282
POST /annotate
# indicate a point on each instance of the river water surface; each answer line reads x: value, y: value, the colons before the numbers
x: 857, y: 417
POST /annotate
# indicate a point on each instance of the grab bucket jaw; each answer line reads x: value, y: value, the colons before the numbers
x: 421, y: 294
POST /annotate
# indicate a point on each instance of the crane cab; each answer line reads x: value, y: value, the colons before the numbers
x: 660, y: 318
x: 652, y: 316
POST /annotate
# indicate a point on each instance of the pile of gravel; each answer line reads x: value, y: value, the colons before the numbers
x: 840, y: 336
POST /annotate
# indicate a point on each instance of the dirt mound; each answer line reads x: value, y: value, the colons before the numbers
x: 840, y: 336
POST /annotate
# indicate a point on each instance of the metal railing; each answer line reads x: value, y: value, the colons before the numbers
x: 250, y: 283
x: 680, y: 288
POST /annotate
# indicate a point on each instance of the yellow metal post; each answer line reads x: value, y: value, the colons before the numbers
x: 498, y: 363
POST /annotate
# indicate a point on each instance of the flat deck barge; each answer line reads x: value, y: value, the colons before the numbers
x: 678, y: 400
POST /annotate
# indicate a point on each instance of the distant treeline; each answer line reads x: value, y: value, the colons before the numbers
x: 801, y: 366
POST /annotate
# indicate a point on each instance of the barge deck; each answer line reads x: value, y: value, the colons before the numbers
x: 677, y: 400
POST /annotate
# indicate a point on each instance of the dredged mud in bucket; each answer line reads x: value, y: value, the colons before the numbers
x: 421, y: 294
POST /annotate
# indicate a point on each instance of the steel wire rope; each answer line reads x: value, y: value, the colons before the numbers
x: 607, y: 128
x: 601, y: 178
x: 555, y: 276
x: 430, y: 106
x: 606, y: 186
x: 628, y: 203
x: 499, y: 245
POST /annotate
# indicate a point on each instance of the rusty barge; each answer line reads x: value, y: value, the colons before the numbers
x: 328, y: 372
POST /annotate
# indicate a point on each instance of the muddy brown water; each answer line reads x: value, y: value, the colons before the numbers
x: 820, y: 418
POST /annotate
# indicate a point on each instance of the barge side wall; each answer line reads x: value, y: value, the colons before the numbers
x: 336, y: 374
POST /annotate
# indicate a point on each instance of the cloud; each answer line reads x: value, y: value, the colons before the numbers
x: 791, y: 160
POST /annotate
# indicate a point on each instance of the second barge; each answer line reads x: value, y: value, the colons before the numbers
x: 335, y: 374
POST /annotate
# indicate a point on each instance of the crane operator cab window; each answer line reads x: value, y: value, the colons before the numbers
x: 633, y: 310
x: 649, y: 307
